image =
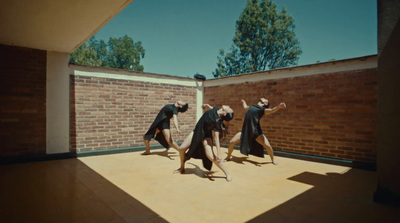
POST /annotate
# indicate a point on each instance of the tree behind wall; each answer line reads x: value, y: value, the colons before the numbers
x: 91, y: 53
x: 121, y: 53
x: 264, y: 39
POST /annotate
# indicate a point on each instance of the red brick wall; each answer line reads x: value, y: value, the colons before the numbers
x: 330, y: 115
x: 23, y: 101
x: 111, y: 113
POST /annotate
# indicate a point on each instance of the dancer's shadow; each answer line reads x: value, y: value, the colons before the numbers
x: 201, y: 173
x: 241, y: 160
x: 165, y: 153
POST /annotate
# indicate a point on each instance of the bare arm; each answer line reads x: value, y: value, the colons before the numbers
x: 275, y: 109
x: 217, y: 144
x: 205, y: 106
x: 176, y: 123
x: 244, y: 104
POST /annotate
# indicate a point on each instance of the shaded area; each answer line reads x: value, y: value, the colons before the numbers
x: 129, y: 187
x: 164, y: 153
x: 319, y: 159
x: 334, y: 197
x: 65, y: 191
x: 22, y: 100
x: 243, y: 159
x: 198, y: 171
x: 388, y: 188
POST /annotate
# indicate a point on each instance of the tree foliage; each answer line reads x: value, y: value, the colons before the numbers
x: 121, y: 53
x: 264, y: 39
x: 91, y: 53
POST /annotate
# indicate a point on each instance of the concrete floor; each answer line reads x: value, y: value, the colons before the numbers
x: 129, y: 187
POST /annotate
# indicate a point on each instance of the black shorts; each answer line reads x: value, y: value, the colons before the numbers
x: 163, y: 124
x: 257, y: 132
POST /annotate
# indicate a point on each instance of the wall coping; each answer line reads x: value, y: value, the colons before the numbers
x: 366, y: 62
x: 120, y: 74
x: 359, y: 63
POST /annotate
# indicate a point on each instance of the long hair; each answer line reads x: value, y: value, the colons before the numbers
x: 184, y: 108
x: 224, y: 129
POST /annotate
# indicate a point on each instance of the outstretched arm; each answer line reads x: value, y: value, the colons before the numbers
x: 176, y: 124
x: 217, y: 144
x: 206, y: 106
x: 244, y: 104
x: 275, y: 109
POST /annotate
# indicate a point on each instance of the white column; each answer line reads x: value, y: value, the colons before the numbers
x: 199, y: 99
x: 57, y: 103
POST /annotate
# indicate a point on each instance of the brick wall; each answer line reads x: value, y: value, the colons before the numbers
x: 330, y: 115
x: 113, y: 113
x: 23, y: 101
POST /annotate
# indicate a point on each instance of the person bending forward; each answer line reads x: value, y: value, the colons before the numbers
x: 199, y: 143
x: 160, y: 129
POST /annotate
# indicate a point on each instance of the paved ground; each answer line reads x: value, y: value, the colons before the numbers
x: 129, y: 187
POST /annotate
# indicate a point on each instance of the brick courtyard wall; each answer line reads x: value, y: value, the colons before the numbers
x: 109, y: 113
x: 23, y: 101
x: 331, y: 114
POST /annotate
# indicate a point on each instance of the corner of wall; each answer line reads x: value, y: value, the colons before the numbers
x: 57, y: 103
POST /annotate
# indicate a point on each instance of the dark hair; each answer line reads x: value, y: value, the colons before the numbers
x: 224, y: 129
x: 266, y: 106
x: 184, y: 108
x: 227, y: 117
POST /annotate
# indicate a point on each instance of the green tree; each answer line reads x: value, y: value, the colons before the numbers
x: 101, y: 50
x: 121, y: 53
x: 264, y: 39
x: 91, y: 53
x: 124, y: 53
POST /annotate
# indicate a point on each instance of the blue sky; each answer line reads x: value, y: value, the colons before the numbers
x: 183, y: 37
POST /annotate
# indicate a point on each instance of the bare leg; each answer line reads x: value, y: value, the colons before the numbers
x: 168, y: 138
x: 157, y: 131
x: 207, y: 143
x: 182, y: 149
x: 147, y: 144
x: 265, y: 143
x: 235, y: 140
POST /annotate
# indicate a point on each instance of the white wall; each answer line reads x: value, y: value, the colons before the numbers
x: 199, y: 99
x: 57, y: 103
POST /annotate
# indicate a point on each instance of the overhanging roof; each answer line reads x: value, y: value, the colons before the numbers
x: 54, y: 25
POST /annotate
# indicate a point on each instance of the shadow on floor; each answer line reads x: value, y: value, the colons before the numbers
x: 65, y: 191
x: 200, y: 172
x: 242, y: 160
x: 333, y: 198
x: 164, y: 153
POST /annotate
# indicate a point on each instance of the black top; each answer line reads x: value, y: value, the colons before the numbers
x: 208, y: 122
x: 251, y: 130
x: 165, y: 114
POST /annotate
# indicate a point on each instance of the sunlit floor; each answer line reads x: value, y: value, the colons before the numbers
x: 129, y: 187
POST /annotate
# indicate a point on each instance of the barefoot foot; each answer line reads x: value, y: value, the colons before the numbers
x: 228, y: 178
x: 146, y: 153
x: 180, y: 170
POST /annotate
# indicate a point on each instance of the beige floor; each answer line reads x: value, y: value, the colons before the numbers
x: 129, y: 187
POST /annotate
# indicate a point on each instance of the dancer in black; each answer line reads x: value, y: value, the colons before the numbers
x: 209, y: 128
x: 160, y: 129
x: 251, y: 138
